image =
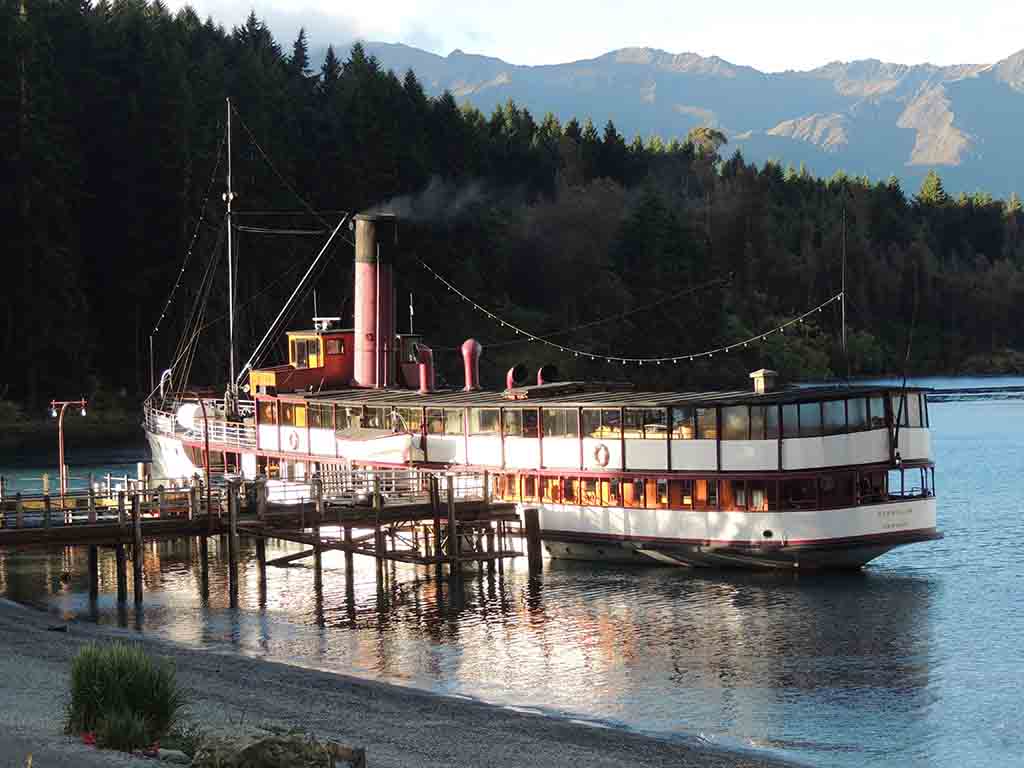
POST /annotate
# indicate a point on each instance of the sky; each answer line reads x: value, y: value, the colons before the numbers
x: 769, y: 36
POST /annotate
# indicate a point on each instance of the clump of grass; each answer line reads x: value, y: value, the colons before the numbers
x: 123, y: 695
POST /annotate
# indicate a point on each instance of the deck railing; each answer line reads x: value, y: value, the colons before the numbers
x: 161, y: 417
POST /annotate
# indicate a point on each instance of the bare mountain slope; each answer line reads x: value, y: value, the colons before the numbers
x: 865, y: 117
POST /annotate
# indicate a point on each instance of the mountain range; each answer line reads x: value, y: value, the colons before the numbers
x: 863, y: 117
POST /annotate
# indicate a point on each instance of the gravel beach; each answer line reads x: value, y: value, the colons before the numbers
x: 398, y: 726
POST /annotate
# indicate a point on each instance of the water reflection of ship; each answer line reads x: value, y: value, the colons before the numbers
x: 668, y: 647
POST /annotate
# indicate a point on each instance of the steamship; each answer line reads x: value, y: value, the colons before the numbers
x: 770, y: 477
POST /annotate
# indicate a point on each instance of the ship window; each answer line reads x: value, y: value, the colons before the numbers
x: 484, y: 421
x: 834, y: 417
x: 293, y: 414
x: 531, y: 422
x: 633, y: 494
x: 680, y: 494
x: 346, y: 417
x: 560, y: 422
x: 872, y: 487
x: 733, y: 494
x: 611, y: 492
x: 302, y: 350
x: 810, y: 419
x: 551, y: 487
x: 705, y: 494
x: 529, y: 488
x: 513, y: 422
x: 914, y: 409
x: 761, y: 496
x: 570, y: 489
x: 735, y: 422
x: 857, y: 413
x: 321, y: 416
x: 771, y: 422
x: 335, y: 346
x: 837, y: 489
x: 707, y: 423
x: 376, y: 418
x: 633, y: 424
x: 683, y: 423
x: 877, y: 412
x: 268, y: 412
x: 589, y: 491
x: 656, y: 492
x: 453, y: 421
x: 435, y: 421
x: 799, y: 493
x: 790, y: 421
x: 410, y: 419
x: 925, y: 416
x: 899, y: 409
x: 655, y: 424
x: 757, y: 414
x: 601, y: 423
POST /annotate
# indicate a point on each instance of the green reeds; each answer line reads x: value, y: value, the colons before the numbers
x: 121, y: 694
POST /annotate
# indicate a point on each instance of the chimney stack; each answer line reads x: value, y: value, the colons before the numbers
x: 471, y: 350
x: 546, y: 374
x: 764, y: 380
x: 376, y: 243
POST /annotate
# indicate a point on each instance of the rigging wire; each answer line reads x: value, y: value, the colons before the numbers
x: 676, y: 358
x: 195, y: 234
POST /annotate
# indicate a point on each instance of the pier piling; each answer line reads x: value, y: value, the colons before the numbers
x: 94, y: 573
x: 531, y: 517
x: 122, y: 573
x: 137, y: 553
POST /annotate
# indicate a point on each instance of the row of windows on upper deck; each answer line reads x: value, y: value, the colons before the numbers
x: 740, y: 422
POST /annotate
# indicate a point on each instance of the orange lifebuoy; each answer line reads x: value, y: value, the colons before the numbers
x: 293, y: 440
x: 601, y: 455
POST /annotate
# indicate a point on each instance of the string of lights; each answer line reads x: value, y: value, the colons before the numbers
x: 624, y: 360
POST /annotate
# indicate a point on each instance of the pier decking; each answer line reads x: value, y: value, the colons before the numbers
x: 408, y: 516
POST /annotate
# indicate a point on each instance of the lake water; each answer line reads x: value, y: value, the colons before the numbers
x: 917, y: 661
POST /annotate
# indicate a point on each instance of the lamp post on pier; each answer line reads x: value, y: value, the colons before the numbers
x: 63, y: 405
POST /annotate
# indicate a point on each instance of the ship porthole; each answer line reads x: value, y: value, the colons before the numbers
x: 767, y: 534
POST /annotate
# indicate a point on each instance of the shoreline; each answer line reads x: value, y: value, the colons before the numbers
x: 399, y: 726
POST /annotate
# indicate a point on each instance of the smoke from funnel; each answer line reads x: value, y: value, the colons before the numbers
x: 440, y: 200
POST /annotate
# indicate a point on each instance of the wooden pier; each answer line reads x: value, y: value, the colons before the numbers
x: 410, y: 516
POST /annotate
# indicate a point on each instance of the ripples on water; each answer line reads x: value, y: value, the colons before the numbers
x: 914, y: 662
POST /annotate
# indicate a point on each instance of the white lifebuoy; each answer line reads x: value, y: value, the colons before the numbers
x: 601, y: 454
x: 293, y: 440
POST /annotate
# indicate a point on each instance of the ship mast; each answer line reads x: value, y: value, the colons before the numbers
x: 228, y: 197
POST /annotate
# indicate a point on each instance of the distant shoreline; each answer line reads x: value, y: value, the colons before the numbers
x: 400, y: 727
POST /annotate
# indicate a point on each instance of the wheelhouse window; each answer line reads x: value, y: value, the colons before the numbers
x: 484, y: 421
x: 305, y: 353
x: 268, y: 412
x: 602, y: 423
x: 683, y: 423
x: 736, y: 422
x: 335, y: 346
x: 707, y: 423
x: 560, y: 422
x: 321, y: 416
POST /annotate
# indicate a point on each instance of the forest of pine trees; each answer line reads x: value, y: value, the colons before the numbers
x: 114, y: 112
